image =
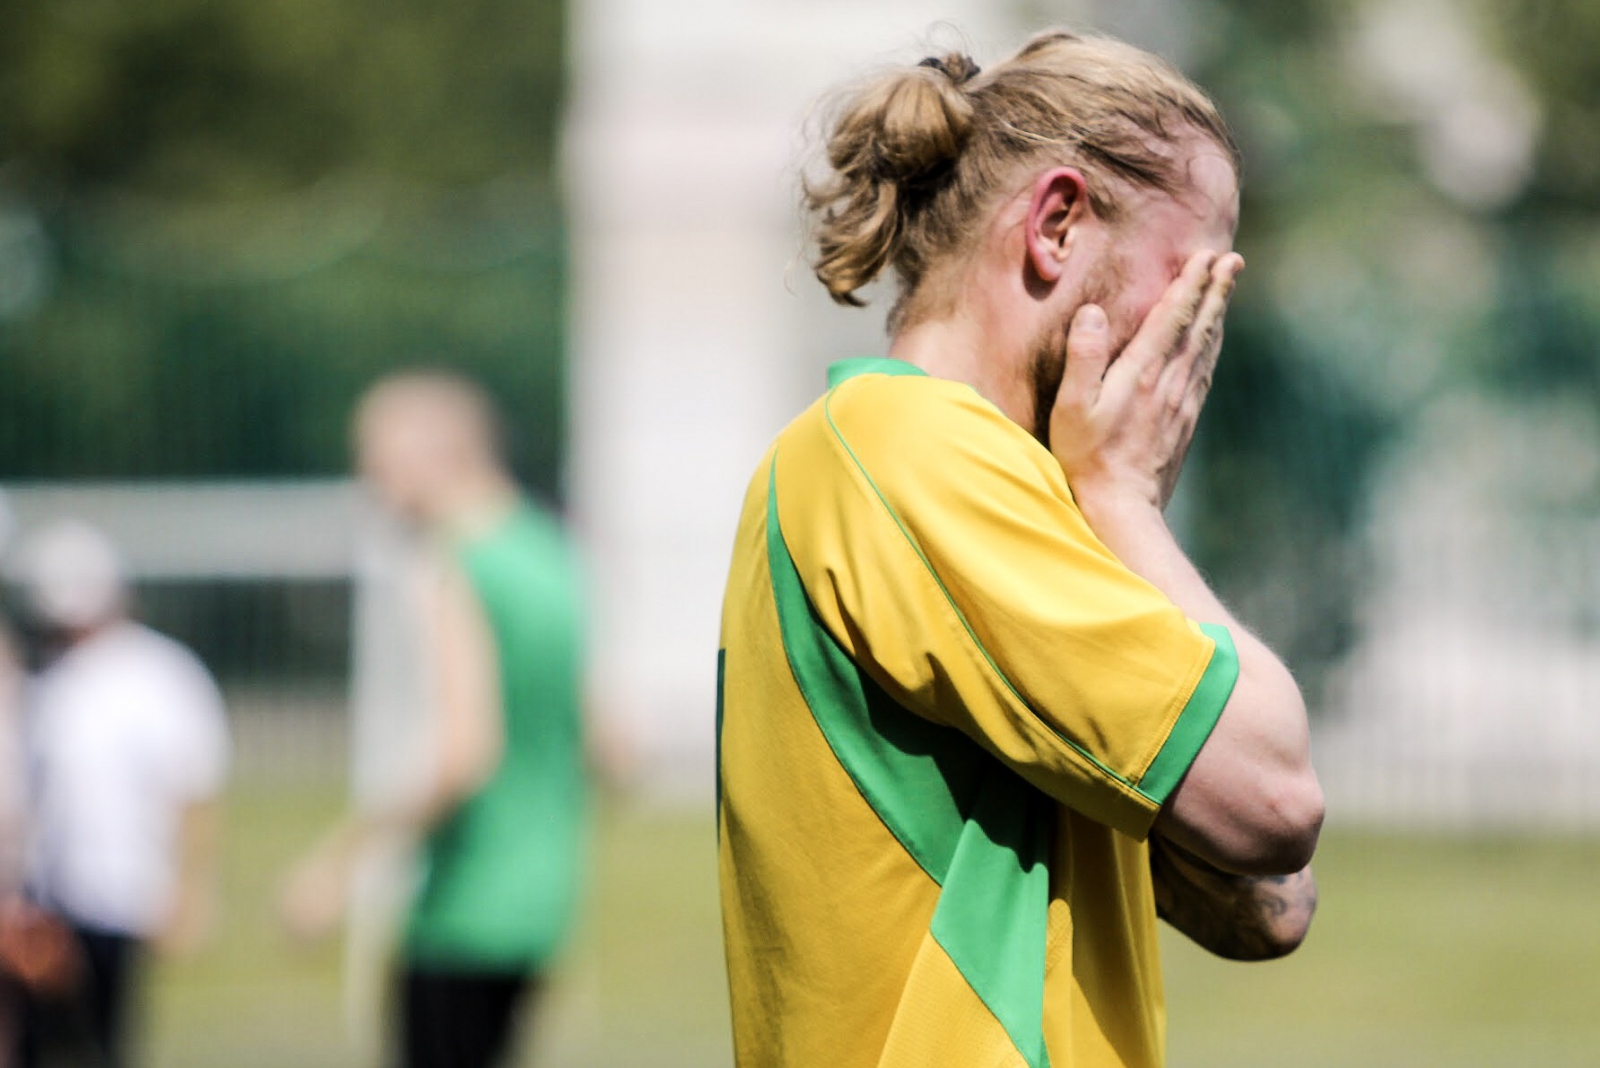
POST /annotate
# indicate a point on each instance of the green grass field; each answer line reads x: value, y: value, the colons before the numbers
x: 1427, y: 952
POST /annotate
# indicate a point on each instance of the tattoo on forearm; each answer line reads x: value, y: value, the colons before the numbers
x: 1241, y: 917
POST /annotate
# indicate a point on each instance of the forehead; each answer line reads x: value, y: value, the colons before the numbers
x: 1203, y: 214
x: 1214, y: 187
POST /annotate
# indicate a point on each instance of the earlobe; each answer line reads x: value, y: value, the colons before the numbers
x: 1060, y: 198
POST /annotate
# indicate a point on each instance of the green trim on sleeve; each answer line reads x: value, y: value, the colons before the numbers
x: 1195, y: 722
x: 870, y: 365
x: 979, y: 831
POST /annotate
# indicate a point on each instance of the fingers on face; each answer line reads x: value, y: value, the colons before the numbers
x: 1161, y: 336
x: 1175, y: 349
x: 1205, y: 336
x: 1192, y: 369
x: 1088, y: 348
x: 1190, y: 289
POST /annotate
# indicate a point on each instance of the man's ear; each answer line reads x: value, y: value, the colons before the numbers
x: 1060, y: 203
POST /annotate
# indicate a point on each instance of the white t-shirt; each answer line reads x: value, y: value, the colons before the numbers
x: 125, y: 730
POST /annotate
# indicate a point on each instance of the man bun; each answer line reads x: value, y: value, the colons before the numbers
x: 918, y: 158
x: 893, y: 141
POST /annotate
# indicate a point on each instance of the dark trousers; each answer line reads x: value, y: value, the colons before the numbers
x: 86, y: 1027
x: 457, y: 1018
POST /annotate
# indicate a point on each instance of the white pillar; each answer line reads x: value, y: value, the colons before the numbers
x: 697, y: 330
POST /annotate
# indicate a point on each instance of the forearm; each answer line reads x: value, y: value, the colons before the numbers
x: 191, y: 912
x: 1137, y: 533
x: 424, y: 810
x: 1239, y: 917
x: 1250, y: 801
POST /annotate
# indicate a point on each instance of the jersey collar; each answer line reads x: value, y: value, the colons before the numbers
x: 870, y: 365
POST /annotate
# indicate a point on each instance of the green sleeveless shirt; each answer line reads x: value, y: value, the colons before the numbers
x: 501, y: 875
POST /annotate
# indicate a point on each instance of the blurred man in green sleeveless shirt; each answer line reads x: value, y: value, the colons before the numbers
x: 499, y: 815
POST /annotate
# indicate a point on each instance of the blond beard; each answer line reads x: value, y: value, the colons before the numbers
x: 1047, y: 363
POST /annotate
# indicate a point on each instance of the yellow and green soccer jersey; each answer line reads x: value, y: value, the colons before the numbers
x: 947, y: 716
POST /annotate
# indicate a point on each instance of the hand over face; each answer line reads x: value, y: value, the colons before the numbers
x: 1122, y: 422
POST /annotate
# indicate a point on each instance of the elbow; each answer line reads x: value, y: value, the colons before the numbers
x: 1274, y: 828
x: 1287, y: 822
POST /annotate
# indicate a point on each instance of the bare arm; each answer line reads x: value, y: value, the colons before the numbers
x: 1240, y: 917
x: 191, y: 914
x: 1121, y: 427
x: 471, y: 722
x: 469, y: 739
x: 1250, y: 801
x: 468, y: 728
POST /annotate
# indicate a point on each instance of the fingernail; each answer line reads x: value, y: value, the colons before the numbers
x: 1092, y: 317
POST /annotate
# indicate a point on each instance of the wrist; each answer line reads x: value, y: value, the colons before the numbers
x: 1112, y: 506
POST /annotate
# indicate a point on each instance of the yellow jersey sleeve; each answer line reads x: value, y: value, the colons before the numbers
x: 939, y: 544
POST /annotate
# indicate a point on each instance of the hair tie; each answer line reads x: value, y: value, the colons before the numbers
x: 958, y: 68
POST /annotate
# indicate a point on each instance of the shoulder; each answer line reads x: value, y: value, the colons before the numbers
x: 166, y: 653
x: 529, y: 557
x: 905, y: 436
x: 894, y: 404
x: 129, y: 655
x: 529, y: 534
x: 170, y: 669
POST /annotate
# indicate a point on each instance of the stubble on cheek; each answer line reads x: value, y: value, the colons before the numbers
x: 1047, y: 364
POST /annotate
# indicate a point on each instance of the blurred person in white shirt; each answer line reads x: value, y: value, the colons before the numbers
x: 127, y: 749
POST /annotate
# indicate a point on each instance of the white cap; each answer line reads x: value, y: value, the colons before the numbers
x: 73, y: 576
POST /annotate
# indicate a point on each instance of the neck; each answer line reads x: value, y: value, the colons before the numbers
x: 474, y: 504
x: 977, y: 346
x: 87, y: 632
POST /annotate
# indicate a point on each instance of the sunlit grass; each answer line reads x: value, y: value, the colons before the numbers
x: 1426, y: 952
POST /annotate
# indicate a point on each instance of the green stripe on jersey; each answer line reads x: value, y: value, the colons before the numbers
x: 978, y: 829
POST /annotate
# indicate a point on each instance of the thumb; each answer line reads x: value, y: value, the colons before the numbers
x: 1088, y: 351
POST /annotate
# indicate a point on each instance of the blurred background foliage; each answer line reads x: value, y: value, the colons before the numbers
x: 1422, y: 181
x: 219, y: 220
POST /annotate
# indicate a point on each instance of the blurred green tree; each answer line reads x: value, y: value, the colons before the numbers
x: 1421, y: 219
x: 218, y: 220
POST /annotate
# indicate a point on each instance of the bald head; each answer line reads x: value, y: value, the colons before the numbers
x: 427, y: 442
